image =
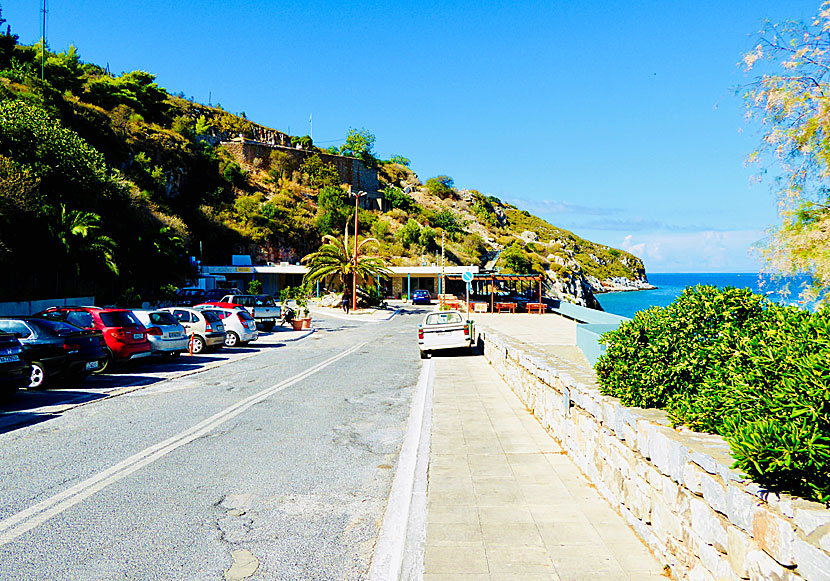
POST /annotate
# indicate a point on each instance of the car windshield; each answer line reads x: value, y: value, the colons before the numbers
x: 211, y: 316
x: 443, y: 318
x: 119, y: 319
x: 163, y: 318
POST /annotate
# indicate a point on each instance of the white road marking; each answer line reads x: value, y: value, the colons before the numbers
x: 27, y: 519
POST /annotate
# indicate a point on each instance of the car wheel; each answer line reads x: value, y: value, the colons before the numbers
x: 198, y: 344
x: 104, y: 364
x: 424, y: 354
x: 268, y: 325
x: 37, y: 379
x: 231, y: 339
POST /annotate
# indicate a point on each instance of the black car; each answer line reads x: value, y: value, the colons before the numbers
x: 56, y: 349
x: 216, y: 294
x: 187, y: 297
x: 14, y: 371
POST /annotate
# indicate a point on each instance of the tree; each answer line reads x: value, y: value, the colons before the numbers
x: 333, y: 210
x: 335, y: 260
x: 790, y: 97
x: 79, y: 234
x: 441, y: 186
x: 319, y: 174
x: 409, y: 233
x: 398, y: 199
x: 400, y: 160
x: 516, y: 259
x: 360, y: 144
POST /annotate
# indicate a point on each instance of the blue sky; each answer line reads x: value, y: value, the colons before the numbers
x: 617, y: 120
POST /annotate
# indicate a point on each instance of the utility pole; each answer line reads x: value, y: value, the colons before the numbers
x: 42, y: 39
x: 443, y: 280
x: 310, y: 128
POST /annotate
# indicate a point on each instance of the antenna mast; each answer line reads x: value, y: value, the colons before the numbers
x: 43, y: 11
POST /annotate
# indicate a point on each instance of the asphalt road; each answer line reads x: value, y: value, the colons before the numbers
x: 280, y: 461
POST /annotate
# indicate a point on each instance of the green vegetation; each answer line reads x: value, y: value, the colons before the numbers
x: 788, y: 97
x: 337, y: 260
x: 441, y: 187
x: 730, y: 362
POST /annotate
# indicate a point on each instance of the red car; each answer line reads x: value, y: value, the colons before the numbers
x: 125, y: 336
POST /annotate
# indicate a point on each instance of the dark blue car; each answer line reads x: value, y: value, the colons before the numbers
x: 421, y: 297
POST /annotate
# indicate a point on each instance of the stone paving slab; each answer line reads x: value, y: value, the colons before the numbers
x: 504, y: 502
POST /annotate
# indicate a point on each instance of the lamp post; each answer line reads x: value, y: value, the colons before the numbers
x: 357, y: 196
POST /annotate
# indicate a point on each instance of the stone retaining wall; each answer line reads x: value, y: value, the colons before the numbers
x: 674, y: 487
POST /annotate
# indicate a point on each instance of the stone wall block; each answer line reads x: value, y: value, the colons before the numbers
x: 739, y: 507
x: 691, y: 478
x: 700, y: 573
x: 813, y: 563
x: 738, y: 545
x: 774, y: 535
x: 708, y: 525
x: 716, y: 564
x: 761, y: 566
x: 714, y: 492
x: 664, y: 521
x: 809, y: 516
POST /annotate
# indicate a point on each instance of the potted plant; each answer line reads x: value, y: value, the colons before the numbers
x: 301, y: 295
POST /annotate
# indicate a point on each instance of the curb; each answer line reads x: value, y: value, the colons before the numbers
x: 403, y: 531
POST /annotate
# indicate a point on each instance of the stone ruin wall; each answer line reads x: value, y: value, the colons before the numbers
x: 674, y: 487
x: 352, y: 171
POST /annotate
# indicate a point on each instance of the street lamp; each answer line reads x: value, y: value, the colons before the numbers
x: 357, y: 196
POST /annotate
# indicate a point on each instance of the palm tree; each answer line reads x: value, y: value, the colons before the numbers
x: 335, y: 260
x: 78, y: 233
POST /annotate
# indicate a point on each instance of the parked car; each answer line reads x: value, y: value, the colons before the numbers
x: 444, y: 330
x: 187, y: 297
x: 204, y: 328
x: 125, y: 336
x: 421, y: 297
x: 240, y: 326
x: 216, y: 294
x: 55, y: 349
x: 166, y: 335
x: 262, y: 307
x: 14, y: 371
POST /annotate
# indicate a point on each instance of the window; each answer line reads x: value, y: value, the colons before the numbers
x: 182, y: 316
x: 80, y: 319
x: 119, y: 319
x: 20, y: 327
x: 163, y: 318
x: 444, y: 318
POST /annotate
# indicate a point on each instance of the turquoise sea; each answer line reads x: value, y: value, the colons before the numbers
x: 670, y: 285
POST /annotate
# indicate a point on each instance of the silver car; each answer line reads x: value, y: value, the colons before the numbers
x: 167, y: 337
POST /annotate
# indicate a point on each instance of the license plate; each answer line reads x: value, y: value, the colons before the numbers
x: 9, y: 358
x: 92, y: 365
x: 175, y: 334
x: 270, y: 320
x: 138, y: 335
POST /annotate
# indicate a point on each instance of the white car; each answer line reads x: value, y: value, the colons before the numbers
x: 444, y: 330
x: 240, y: 326
x: 204, y: 328
x: 166, y: 335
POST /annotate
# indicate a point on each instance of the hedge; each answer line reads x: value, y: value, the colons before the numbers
x: 730, y: 362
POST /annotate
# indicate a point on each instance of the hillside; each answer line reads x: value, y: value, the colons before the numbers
x: 111, y: 186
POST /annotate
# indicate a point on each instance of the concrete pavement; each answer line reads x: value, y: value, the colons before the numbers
x: 503, y: 500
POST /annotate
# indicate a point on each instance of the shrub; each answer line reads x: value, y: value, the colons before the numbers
x: 730, y: 362
x: 255, y: 287
x: 516, y: 259
x: 441, y: 186
x: 409, y: 233
x: 398, y: 199
x: 319, y: 174
x: 444, y: 219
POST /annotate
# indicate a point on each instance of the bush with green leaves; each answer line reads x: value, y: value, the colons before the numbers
x: 398, y: 199
x: 730, y: 362
x: 255, y: 287
x: 441, y: 186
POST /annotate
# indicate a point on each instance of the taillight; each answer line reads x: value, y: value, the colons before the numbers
x: 119, y: 334
x: 208, y: 328
x: 467, y: 330
x: 153, y: 331
x: 420, y: 333
x: 71, y: 347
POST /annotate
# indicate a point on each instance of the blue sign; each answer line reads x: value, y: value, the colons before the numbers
x: 467, y: 277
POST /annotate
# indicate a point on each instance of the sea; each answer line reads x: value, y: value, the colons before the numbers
x: 670, y: 285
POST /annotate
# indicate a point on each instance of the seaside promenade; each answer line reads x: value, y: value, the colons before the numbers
x: 503, y: 499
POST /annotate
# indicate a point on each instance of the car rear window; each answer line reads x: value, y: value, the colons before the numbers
x: 15, y: 327
x: 211, y: 316
x: 119, y: 319
x: 57, y: 327
x: 244, y: 315
x: 443, y: 318
x: 264, y: 302
x: 163, y: 319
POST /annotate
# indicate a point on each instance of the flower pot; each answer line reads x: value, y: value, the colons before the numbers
x: 307, y: 323
x: 297, y: 324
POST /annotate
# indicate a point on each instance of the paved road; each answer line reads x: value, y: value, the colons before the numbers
x: 281, y: 462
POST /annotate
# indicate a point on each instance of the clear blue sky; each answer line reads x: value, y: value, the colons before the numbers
x: 617, y: 120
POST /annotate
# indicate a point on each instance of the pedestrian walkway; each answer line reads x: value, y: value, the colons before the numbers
x: 504, y: 501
